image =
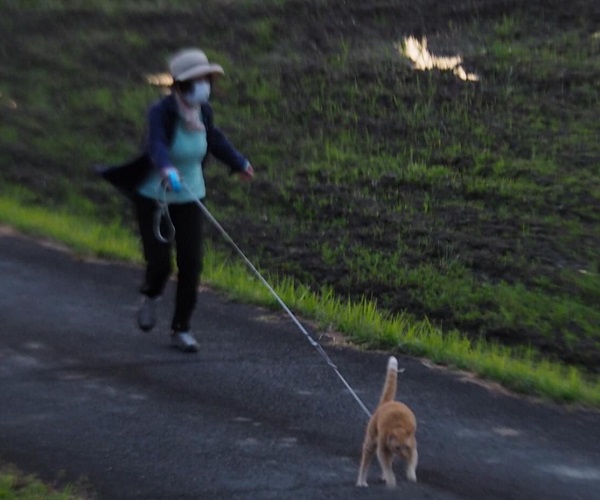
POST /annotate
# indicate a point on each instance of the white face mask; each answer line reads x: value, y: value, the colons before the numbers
x: 199, y: 94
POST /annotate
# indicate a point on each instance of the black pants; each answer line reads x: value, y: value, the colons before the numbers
x: 188, y: 221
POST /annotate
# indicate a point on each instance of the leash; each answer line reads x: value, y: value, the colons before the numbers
x: 310, y: 339
x: 163, y: 211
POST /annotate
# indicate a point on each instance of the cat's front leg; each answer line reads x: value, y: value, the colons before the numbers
x: 365, y: 461
x: 385, y: 461
x: 411, y: 466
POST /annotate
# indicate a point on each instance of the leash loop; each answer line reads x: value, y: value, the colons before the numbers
x: 162, y: 214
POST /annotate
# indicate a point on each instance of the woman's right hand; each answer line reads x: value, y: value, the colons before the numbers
x: 171, y: 179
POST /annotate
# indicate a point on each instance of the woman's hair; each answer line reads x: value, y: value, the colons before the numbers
x: 183, y: 86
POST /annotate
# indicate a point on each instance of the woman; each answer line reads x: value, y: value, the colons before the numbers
x: 167, y: 180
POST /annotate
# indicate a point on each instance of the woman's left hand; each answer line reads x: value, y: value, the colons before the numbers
x: 247, y: 174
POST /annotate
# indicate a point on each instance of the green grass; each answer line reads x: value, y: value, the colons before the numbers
x: 361, y: 322
x: 71, y: 229
x: 412, y: 212
x: 14, y: 485
x: 465, y: 212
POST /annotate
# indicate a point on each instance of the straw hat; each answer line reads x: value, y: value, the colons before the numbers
x: 192, y: 63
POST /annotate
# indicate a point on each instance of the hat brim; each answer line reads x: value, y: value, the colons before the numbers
x: 199, y: 71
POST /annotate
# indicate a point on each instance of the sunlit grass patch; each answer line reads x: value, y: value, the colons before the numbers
x: 15, y: 485
x: 80, y: 233
x: 417, y: 51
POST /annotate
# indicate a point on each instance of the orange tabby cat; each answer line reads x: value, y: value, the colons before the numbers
x: 390, y: 433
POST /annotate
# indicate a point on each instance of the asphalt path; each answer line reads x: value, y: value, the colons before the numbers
x: 255, y: 414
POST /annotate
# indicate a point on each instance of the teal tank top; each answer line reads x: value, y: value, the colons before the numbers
x: 186, y: 153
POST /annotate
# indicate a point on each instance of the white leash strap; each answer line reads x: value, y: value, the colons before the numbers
x: 314, y: 343
x: 162, y: 210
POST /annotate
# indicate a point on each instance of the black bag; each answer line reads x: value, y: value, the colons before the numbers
x: 128, y: 176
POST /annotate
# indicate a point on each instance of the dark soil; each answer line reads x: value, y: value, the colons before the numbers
x: 282, y: 227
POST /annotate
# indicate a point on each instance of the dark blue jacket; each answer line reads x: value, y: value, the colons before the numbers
x: 162, y: 121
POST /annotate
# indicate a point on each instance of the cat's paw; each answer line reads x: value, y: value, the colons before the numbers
x: 411, y: 476
x: 389, y: 479
x: 362, y: 484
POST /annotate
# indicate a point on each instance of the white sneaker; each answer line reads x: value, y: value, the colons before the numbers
x: 147, y: 313
x: 184, y: 341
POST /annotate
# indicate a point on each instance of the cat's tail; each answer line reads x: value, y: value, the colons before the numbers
x: 391, y: 380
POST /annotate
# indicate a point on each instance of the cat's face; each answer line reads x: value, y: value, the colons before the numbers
x: 400, y: 445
